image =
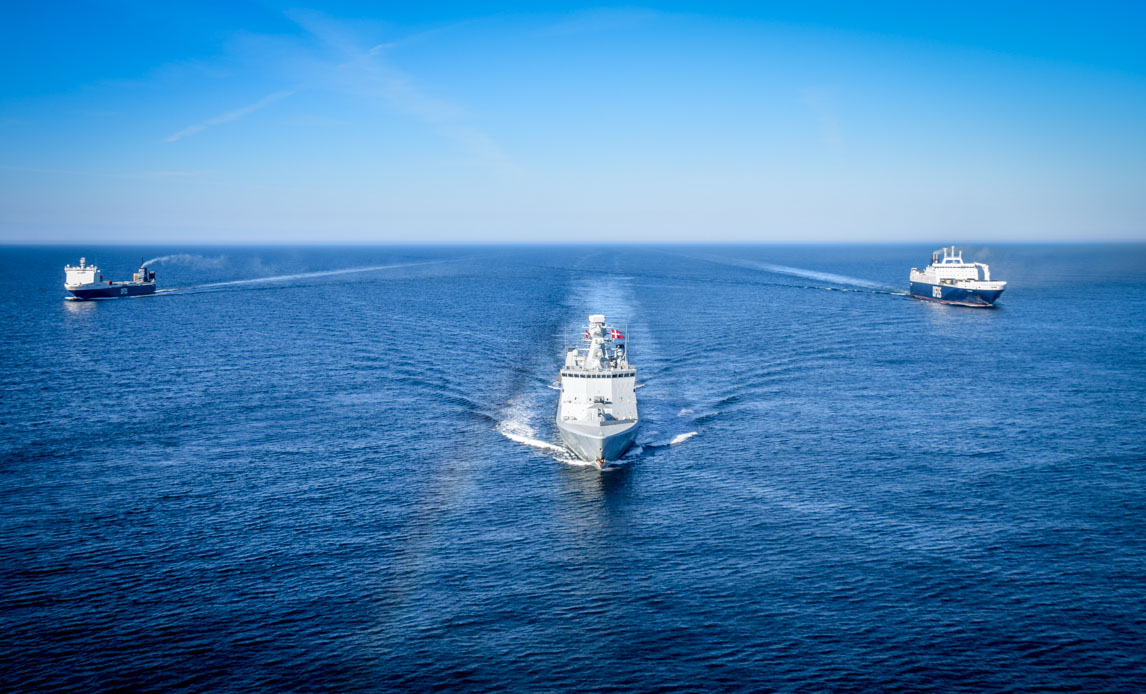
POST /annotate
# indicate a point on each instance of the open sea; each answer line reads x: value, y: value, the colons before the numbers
x: 316, y: 468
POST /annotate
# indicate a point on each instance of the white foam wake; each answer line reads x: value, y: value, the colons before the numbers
x: 308, y: 275
x: 658, y: 442
x: 798, y: 272
x: 525, y: 435
x: 515, y: 426
x: 815, y: 275
x: 515, y: 431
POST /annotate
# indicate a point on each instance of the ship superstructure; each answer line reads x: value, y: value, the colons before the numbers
x: 85, y: 282
x: 951, y: 281
x: 597, y: 412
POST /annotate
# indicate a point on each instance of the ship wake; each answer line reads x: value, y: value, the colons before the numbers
x: 814, y: 275
x: 850, y: 284
x: 524, y: 434
x: 296, y: 276
x: 517, y: 425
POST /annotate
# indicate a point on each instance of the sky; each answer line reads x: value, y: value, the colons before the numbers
x: 365, y: 122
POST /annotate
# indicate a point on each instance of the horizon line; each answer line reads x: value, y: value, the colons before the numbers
x: 563, y: 244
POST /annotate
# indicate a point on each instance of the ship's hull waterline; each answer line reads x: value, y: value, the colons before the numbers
x: 958, y: 296
x: 598, y: 447
x: 114, y: 291
x: 951, y: 280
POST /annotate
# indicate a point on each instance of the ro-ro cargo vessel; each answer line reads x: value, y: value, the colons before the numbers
x: 949, y: 280
x: 85, y: 282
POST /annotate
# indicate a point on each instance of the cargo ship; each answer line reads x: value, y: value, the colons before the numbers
x: 85, y: 283
x: 949, y: 280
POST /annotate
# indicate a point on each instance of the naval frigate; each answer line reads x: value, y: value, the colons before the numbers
x: 597, y: 412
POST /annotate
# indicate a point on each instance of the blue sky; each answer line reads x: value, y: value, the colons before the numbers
x: 144, y: 122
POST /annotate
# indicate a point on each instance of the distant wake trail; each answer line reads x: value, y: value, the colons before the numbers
x: 301, y: 275
x: 815, y: 275
x: 783, y: 269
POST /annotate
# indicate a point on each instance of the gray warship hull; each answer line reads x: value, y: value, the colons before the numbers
x: 607, y: 442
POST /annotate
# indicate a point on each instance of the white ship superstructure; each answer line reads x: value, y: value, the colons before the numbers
x: 950, y: 280
x: 597, y: 412
x: 82, y: 276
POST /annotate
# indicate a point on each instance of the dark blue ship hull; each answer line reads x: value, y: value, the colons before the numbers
x: 947, y: 294
x: 113, y: 291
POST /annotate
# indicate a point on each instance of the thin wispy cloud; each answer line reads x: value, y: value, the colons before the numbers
x: 415, y: 38
x: 228, y: 117
x: 368, y: 71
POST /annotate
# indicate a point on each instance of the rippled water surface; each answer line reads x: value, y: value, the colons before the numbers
x: 301, y: 469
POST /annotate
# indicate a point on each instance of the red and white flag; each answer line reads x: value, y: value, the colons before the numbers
x: 586, y: 334
x: 616, y: 334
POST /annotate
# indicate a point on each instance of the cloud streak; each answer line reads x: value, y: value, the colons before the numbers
x: 228, y: 117
x: 369, y: 72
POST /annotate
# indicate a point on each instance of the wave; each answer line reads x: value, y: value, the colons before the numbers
x: 662, y: 441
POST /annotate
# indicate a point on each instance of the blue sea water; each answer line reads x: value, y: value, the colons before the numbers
x: 335, y: 469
